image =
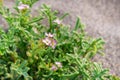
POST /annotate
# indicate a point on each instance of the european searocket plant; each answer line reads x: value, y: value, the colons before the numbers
x: 41, y: 47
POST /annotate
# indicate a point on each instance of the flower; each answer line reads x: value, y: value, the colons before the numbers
x: 49, y: 35
x: 58, y: 21
x: 58, y: 64
x: 53, y: 43
x: 54, y: 68
x: 23, y: 7
x: 47, y: 41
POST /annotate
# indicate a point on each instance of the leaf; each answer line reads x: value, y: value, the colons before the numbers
x: 20, y: 69
x: 79, y: 25
x: 63, y: 16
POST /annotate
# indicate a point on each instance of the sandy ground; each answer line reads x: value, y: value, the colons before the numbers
x: 102, y: 19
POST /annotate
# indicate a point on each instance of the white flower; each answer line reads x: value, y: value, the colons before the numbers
x: 58, y: 21
x: 58, y: 64
x: 23, y: 7
x: 47, y: 41
x: 49, y: 35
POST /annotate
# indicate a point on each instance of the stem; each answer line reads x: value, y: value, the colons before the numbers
x: 50, y: 22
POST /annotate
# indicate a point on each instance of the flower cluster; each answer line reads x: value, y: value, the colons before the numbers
x: 49, y: 40
x: 56, y: 66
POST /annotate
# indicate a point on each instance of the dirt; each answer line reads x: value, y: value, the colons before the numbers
x: 102, y: 19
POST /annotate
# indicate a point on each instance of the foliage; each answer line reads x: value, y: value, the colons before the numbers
x: 31, y: 50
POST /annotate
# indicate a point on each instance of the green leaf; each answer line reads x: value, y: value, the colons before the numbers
x: 63, y: 16
x: 20, y: 69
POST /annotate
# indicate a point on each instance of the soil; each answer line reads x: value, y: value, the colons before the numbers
x: 101, y: 17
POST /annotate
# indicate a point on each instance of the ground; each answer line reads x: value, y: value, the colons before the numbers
x: 102, y: 19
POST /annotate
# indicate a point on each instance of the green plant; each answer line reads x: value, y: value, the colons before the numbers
x: 32, y: 51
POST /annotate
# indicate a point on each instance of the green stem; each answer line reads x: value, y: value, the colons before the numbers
x: 50, y: 22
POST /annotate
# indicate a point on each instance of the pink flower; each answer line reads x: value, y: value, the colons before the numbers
x: 49, y: 35
x: 54, y: 68
x: 58, y: 21
x: 58, y: 64
x: 53, y: 43
x: 23, y: 7
x: 47, y: 41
